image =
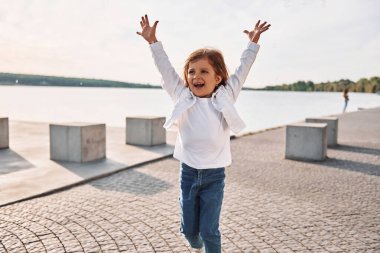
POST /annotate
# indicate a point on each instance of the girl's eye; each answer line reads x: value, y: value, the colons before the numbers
x: 204, y: 71
x: 191, y: 72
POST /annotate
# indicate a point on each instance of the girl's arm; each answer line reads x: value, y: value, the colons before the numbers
x: 172, y: 83
x: 236, y: 81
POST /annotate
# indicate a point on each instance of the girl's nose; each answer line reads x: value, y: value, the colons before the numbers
x: 196, y: 75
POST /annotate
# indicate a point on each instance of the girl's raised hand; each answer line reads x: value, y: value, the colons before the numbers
x: 148, y: 32
x: 254, y: 35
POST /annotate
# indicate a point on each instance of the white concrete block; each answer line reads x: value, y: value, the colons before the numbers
x: 4, y: 132
x: 306, y: 141
x: 77, y: 142
x: 332, y: 128
x: 145, y: 131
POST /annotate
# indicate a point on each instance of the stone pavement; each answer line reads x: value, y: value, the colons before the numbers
x: 271, y: 204
x: 26, y: 170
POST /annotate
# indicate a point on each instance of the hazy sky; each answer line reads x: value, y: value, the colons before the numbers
x: 309, y: 40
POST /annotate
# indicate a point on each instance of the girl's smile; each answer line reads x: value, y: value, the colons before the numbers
x: 202, y: 78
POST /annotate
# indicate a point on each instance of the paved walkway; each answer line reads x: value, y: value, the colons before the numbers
x: 271, y: 204
x: 26, y: 169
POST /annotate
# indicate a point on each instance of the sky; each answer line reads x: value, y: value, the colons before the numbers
x: 317, y: 40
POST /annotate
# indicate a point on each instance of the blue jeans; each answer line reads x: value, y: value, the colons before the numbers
x: 201, y: 198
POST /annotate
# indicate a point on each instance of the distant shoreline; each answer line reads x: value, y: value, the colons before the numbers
x: 39, y: 80
x: 363, y: 85
x: 143, y: 86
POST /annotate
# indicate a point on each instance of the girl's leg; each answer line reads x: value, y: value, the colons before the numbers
x: 189, y: 203
x: 194, y: 241
x: 211, y: 198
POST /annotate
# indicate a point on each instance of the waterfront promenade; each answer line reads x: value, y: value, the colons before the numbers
x: 271, y: 204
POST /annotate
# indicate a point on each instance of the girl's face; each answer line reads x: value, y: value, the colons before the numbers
x: 202, y: 78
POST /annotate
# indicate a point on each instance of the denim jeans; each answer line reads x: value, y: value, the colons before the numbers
x: 201, y: 198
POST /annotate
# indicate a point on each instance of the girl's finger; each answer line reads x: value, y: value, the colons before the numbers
x: 155, y: 24
x: 142, y: 25
x: 147, y: 20
x: 142, y: 20
x: 263, y: 24
x: 257, y: 24
x: 263, y: 30
x: 265, y: 27
x: 246, y: 32
x: 139, y: 33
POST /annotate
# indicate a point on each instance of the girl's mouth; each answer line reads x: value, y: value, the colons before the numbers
x: 198, y: 85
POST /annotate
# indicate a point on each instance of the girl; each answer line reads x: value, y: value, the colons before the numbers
x: 205, y: 115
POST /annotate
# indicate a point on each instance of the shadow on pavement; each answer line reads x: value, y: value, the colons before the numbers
x: 132, y: 181
x: 98, y: 168
x: 348, y: 148
x: 10, y: 162
x: 162, y: 149
x: 366, y: 168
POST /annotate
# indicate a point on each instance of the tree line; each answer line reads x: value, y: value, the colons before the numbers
x: 38, y: 80
x: 371, y: 85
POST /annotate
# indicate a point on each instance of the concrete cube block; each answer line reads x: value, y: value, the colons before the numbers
x: 306, y: 141
x: 77, y: 142
x: 4, y: 133
x: 332, y: 128
x: 145, y: 131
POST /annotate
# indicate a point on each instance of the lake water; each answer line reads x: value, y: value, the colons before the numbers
x: 259, y: 109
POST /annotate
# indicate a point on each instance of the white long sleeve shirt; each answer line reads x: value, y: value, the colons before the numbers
x: 203, y: 139
x: 204, y: 124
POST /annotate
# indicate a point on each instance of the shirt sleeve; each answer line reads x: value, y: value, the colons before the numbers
x: 235, y: 81
x: 171, y: 81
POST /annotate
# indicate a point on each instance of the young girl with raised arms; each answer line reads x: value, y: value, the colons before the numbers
x: 205, y: 114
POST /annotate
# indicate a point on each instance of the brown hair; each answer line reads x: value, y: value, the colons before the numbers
x: 214, y: 57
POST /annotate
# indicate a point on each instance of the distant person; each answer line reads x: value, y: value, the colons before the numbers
x: 345, y: 96
x: 205, y: 114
